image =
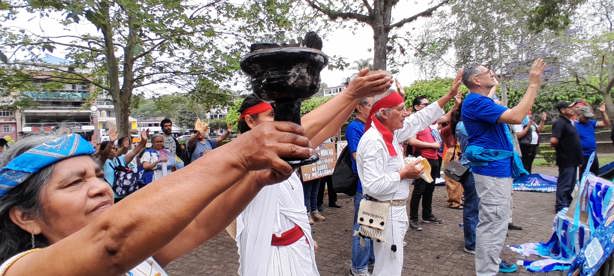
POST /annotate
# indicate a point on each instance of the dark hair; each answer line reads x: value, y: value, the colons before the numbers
x: 165, y: 121
x: 248, y: 102
x: 417, y: 101
x: 3, y: 142
x: 26, y: 197
x: 468, y: 72
x: 102, y: 154
x: 455, y: 118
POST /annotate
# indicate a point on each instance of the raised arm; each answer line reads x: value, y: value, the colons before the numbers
x: 224, y: 208
x: 136, y: 150
x: 420, y: 120
x: 515, y: 114
x: 606, y: 120
x: 327, y: 119
x: 147, y: 221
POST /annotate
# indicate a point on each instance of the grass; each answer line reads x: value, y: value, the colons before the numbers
x: 604, y: 158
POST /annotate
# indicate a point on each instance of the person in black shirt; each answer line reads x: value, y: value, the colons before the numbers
x: 566, y: 142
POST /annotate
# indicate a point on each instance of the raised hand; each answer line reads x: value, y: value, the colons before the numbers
x: 263, y: 148
x: 536, y: 72
x: 602, y: 108
x: 367, y: 84
x: 144, y: 135
x: 456, y: 83
x: 544, y: 116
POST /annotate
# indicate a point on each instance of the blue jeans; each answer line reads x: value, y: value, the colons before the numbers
x: 310, y: 193
x: 361, y: 255
x: 470, y: 210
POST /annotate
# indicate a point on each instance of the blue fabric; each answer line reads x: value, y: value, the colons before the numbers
x: 109, y: 172
x: 463, y: 140
x: 147, y: 176
x: 39, y: 157
x: 586, y: 132
x: 353, y: 133
x: 574, y: 243
x: 480, y: 115
x: 535, y: 183
x: 470, y: 210
x: 310, y: 194
x: 203, y: 147
x: 361, y: 255
x: 518, y: 169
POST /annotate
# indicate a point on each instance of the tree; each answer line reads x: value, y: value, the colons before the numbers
x: 378, y: 15
x: 123, y: 45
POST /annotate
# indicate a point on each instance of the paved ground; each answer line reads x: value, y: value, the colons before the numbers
x: 437, y: 250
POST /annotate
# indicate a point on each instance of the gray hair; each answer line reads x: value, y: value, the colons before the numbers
x: 468, y: 72
x: 26, y: 197
x: 156, y: 136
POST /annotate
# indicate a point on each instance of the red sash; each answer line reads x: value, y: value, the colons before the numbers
x: 289, y: 237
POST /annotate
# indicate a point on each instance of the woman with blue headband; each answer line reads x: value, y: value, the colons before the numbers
x: 57, y: 215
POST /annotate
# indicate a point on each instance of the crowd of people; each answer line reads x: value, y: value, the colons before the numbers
x: 59, y: 193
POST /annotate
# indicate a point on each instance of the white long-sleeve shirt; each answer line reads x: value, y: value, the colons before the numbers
x: 378, y: 171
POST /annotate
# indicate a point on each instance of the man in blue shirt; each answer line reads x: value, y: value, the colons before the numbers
x: 355, y: 129
x: 491, y: 165
x: 585, y: 127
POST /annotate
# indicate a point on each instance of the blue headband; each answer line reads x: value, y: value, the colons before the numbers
x: 39, y: 157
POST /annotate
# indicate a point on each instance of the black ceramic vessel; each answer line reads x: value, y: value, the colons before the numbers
x: 285, y: 76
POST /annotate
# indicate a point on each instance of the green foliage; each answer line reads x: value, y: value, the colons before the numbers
x: 552, y: 14
x: 232, y: 117
x: 432, y: 89
x: 312, y: 103
x: 552, y: 93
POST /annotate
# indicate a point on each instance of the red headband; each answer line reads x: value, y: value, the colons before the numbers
x: 392, y: 100
x: 256, y: 109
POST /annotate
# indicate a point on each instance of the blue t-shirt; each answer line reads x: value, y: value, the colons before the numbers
x: 203, y: 147
x: 480, y: 115
x: 586, y: 131
x: 353, y: 132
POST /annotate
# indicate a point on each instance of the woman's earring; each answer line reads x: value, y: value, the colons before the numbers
x: 32, y: 240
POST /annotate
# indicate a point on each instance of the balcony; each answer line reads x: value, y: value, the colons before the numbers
x: 69, y: 96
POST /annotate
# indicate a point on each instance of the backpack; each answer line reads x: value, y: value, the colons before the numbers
x: 344, y: 179
x: 126, y: 180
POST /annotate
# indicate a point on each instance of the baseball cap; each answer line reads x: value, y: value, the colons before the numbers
x: 586, y: 112
x: 562, y: 104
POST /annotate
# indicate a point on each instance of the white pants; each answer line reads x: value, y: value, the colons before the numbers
x: 494, y: 194
x: 387, y: 262
x: 294, y: 260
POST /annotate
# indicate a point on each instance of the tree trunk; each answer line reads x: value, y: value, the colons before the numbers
x: 382, y: 11
x: 122, y: 116
x: 380, y: 39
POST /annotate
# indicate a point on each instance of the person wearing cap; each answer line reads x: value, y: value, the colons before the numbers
x: 385, y: 176
x: 199, y: 144
x: 493, y: 160
x: 585, y: 127
x: 566, y: 143
x: 273, y: 234
x: 57, y: 215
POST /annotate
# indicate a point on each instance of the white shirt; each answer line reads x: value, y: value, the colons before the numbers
x: 274, y: 210
x: 532, y: 131
x: 378, y: 171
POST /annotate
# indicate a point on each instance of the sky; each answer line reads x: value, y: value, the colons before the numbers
x: 341, y: 42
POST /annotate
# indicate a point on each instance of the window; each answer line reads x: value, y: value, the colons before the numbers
x: 4, y: 113
x: 6, y: 128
